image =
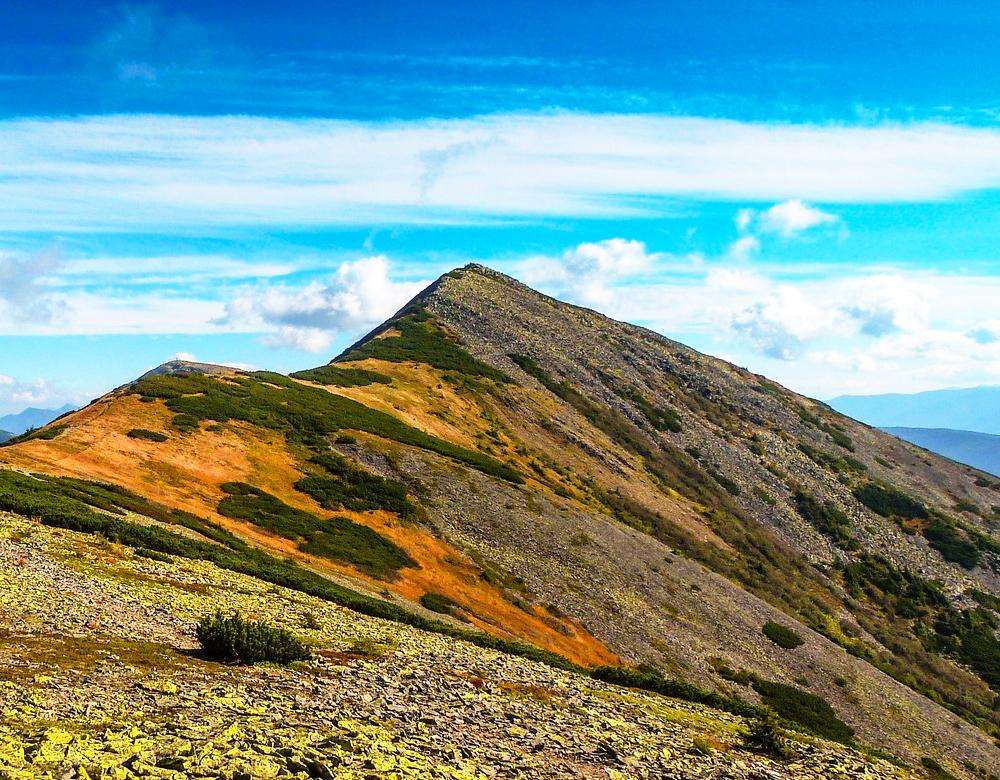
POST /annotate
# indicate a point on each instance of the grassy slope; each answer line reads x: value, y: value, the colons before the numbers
x: 186, y: 471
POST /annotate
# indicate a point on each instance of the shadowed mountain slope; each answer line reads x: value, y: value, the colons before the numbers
x: 981, y: 450
x: 957, y: 408
x: 509, y: 464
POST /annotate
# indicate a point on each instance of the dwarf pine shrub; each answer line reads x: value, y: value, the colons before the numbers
x: 231, y: 638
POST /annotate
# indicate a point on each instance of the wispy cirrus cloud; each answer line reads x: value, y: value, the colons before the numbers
x: 169, y: 174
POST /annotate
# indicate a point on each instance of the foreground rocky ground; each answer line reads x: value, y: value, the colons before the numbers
x: 100, y: 677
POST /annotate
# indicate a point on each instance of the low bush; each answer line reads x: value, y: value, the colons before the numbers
x: 335, y: 538
x: 142, y: 433
x: 764, y: 735
x: 274, y: 401
x: 438, y: 602
x: 342, y: 377
x: 422, y: 340
x: 888, y: 501
x: 185, y: 422
x: 826, y: 518
x: 231, y: 638
x: 806, y: 709
x: 782, y: 635
x: 345, y: 485
x: 37, y: 433
x: 649, y: 680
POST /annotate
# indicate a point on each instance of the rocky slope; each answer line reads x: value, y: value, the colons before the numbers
x: 103, y: 681
x: 553, y: 476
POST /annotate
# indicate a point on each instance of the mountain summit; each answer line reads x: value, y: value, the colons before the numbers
x: 505, y: 468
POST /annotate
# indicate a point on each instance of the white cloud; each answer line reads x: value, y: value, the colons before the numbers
x: 302, y: 339
x: 187, y: 356
x: 587, y: 273
x: 360, y: 294
x: 884, y: 304
x: 16, y: 395
x: 782, y: 323
x: 737, y: 280
x: 987, y: 332
x: 792, y: 217
x: 24, y: 292
x: 744, y: 248
x: 180, y: 174
x: 743, y: 219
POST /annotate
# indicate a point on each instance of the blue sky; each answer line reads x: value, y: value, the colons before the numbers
x: 808, y: 189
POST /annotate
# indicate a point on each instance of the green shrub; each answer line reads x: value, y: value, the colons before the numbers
x: 649, y: 680
x: 342, y: 377
x: 953, y: 546
x: 765, y: 735
x: 185, y: 422
x: 827, y: 518
x: 438, y: 602
x: 806, y: 709
x: 888, y: 501
x: 349, y: 486
x: 336, y: 538
x: 274, y: 401
x: 423, y: 340
x: 142, y: 433
x: 782, y: 635
x: 36, y: 433
x: 660, y: 418
x: 234, y: 639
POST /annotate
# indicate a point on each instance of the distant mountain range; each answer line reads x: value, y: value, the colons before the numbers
x: 4, y: 435
x: 29, y: 418
x: 981, y: 450
x: 963, y: 409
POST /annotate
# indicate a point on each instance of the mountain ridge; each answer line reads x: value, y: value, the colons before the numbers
x: 32, y: 417
x: 598, y: 490
x: 981, y: 450
x: 975, y: 409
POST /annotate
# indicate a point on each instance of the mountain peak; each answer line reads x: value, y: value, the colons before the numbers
x: 187, y: 367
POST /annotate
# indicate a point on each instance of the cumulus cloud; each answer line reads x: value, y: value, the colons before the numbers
x: 887, y: 304
x: 301, y: 339
x: 23, y: 290
x: 587, y: 273
x: 792, y: 217
x: 782, y: 323
x: 360, y: 294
